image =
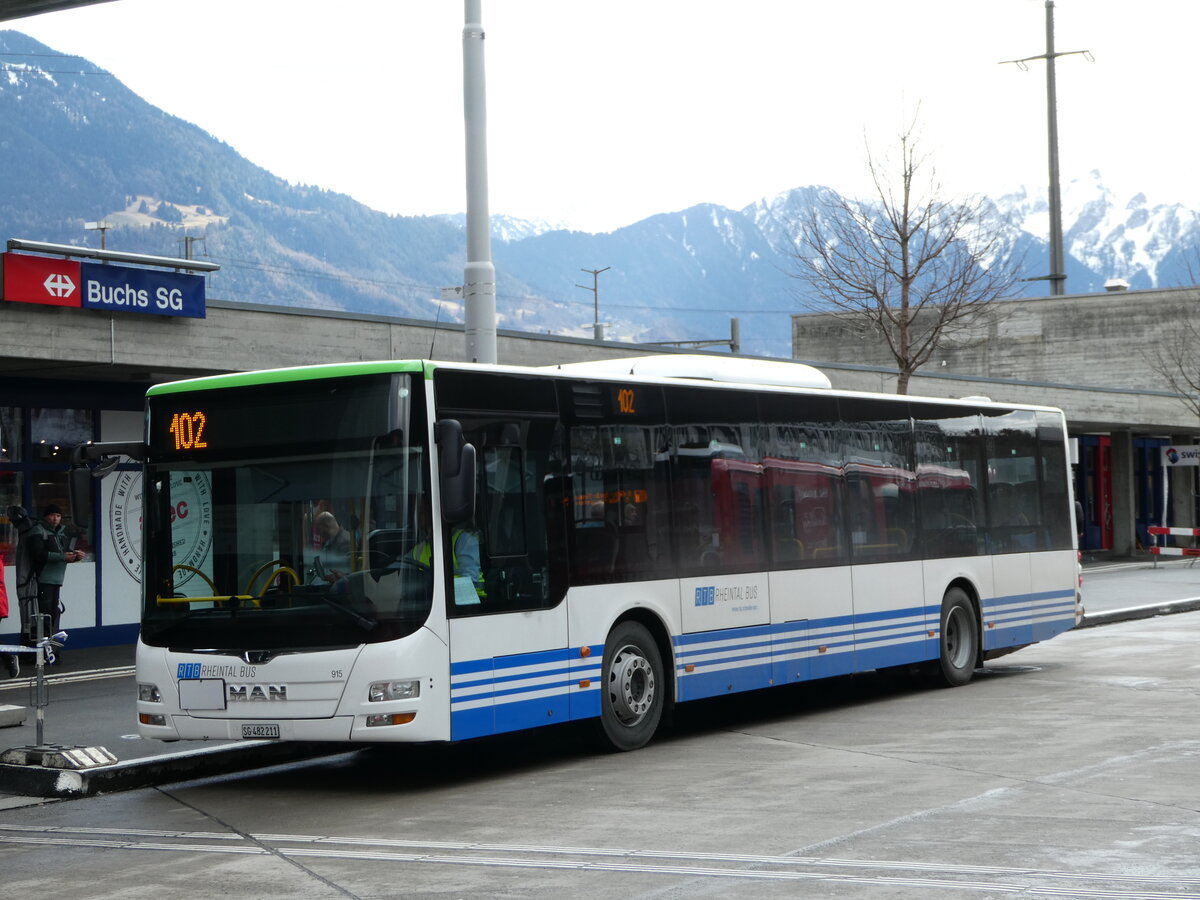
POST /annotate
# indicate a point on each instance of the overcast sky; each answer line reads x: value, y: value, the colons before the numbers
x: 600, y: 114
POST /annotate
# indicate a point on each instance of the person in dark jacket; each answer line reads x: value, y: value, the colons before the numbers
x: 50, y: 554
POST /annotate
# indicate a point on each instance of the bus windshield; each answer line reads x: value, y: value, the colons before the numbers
x: 285, y: 516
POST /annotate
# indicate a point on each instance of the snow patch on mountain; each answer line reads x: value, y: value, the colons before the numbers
x: 1114, y: 237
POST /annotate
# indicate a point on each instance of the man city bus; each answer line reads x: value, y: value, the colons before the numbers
x: 645, y: 532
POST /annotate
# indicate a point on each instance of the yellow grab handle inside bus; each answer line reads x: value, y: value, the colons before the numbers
x: 263, y: 568
x: 193, y: 569
x: 282, y: 570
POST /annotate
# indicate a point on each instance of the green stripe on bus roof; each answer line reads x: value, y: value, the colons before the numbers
x: 279, y: 376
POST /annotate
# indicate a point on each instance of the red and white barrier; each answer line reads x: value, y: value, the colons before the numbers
x: 1176, y: 532
x: 1160, y: 530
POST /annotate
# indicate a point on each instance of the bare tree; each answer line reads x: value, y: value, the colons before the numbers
x: 908, y: 265
x: 1174, y: 359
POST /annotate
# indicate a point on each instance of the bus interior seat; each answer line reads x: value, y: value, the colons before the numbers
x: 598, y: 546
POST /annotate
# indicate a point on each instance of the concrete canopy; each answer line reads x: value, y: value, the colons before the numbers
x: 20, y: 9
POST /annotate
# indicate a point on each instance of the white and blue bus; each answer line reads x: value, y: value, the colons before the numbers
x: 611, y: 539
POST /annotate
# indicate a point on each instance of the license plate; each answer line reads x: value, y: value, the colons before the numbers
x: 260, y: 731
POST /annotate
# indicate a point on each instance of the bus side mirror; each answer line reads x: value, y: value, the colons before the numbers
x: 91, y: 460
x: 79, y: 481
x: 456, y: 462
x: 79, y: 489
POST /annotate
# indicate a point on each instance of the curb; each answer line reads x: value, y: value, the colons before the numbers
x: 41, y: 781
x: 1132, y: 613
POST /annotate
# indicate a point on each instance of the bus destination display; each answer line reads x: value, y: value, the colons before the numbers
x: 187, y: 430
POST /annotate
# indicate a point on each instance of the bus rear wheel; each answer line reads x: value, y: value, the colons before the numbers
x: 632, y: 688
x: 959, y: 638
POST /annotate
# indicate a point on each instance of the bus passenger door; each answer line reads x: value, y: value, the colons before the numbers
x: 508, y: 633
x: 1007, y: 616
x: 888, y: 576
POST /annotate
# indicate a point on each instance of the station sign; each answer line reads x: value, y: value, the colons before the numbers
x: 67, y: 282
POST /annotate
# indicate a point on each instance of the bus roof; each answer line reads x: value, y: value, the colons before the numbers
x: 734, y: 369
x: 718, y: 371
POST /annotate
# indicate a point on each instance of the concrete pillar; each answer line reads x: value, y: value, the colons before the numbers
x: 1182, y: 511
x: 1124, y: 503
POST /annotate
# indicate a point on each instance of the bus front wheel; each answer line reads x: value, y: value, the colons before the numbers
x: 959, y: 638
x: 632, y: 688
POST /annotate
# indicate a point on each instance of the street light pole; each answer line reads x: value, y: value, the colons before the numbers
x: 479, y: 276
x: 101, y: 227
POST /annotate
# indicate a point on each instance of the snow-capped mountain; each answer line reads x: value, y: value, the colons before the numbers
x: 75, y: 149
x: 1112, y: 237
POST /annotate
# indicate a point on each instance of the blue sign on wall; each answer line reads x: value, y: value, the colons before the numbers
x: 121, y: 289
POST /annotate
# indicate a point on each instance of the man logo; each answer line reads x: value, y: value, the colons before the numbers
x: 256, y: 693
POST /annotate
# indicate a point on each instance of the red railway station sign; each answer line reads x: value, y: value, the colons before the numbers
x: 40, y: 279
x: 114, y: 288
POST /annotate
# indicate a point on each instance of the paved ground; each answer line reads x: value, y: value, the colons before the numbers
x: 1131, y: 586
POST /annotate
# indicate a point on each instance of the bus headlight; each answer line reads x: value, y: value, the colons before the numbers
x: 394, y: 690
x: 149, y: 693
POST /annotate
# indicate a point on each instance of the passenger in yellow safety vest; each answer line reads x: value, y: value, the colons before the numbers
x: 464, y: 556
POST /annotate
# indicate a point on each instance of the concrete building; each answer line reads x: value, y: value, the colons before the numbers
x: 1091, y: 355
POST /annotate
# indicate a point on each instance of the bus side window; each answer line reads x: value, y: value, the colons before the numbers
x: 803, y: 472
x: 1014, y: 501
x: 618, y: 505
x: 950, y: 487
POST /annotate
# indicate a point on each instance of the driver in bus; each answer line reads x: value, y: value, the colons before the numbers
x: 464, y: 551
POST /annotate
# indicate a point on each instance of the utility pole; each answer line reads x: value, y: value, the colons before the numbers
x: 188, y: 242
x: 1057, y: 276
x: 597, y: 328
x: 479, y: 276
x: 101, y: 227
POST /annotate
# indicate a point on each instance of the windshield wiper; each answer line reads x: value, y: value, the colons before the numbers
x: 363, y: 622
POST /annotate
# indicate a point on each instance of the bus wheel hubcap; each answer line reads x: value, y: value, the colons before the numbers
x: 631, y: 685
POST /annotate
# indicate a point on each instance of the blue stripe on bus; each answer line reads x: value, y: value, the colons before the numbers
x: 1028, y: 601
x: 491, y: 696
x: 519, y: 660
x: 488, y: 696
